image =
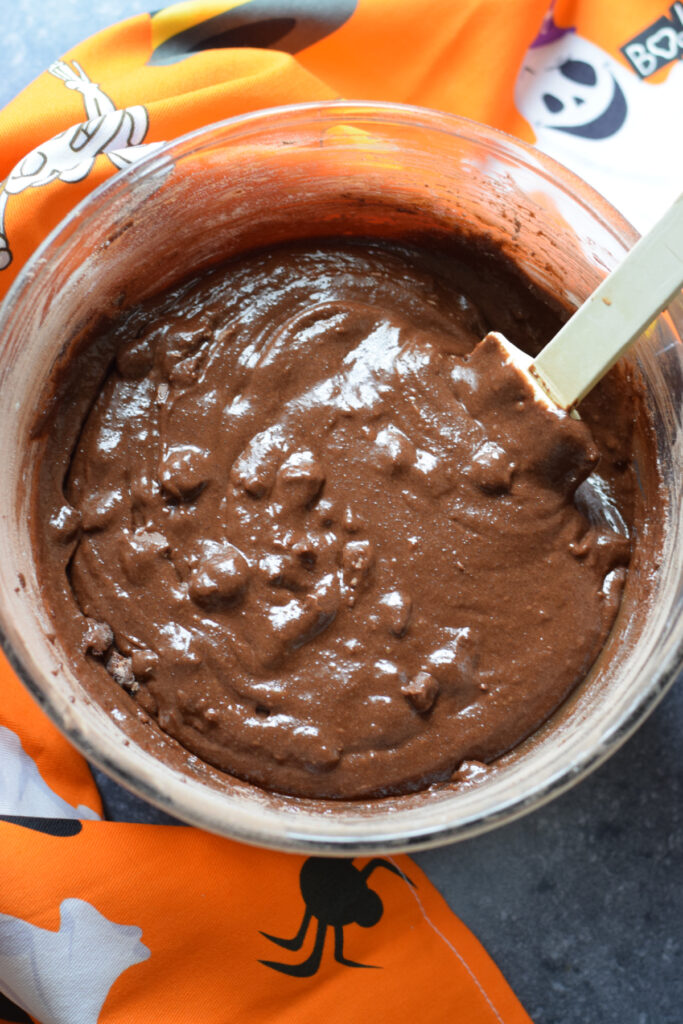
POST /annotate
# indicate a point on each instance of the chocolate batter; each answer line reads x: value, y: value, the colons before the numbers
x: 329, y: 550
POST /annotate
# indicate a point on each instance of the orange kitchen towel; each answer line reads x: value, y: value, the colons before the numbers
x: 102, y: 921
x: 599, y: 89
x: 110, y: 922
x: 119, y: 924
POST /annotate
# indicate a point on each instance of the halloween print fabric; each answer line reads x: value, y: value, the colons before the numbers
x: 116, y: 923
x: 113, y: 923
x: 598, y: 89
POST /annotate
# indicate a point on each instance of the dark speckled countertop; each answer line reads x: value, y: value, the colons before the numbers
x: 580, y: 903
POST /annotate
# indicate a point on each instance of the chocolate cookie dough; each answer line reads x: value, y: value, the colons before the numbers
x: 326, y: 547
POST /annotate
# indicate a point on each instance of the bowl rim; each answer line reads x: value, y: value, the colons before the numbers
x: 293, y: 839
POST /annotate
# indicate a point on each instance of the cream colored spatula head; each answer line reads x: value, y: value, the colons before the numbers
x: 614, y: 316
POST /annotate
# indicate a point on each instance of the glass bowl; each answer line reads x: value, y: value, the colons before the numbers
x: 330, y: 169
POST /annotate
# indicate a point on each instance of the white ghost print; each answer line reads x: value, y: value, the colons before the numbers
x: 590, y: 112
x: 64, y: 977
x: 23, y: 791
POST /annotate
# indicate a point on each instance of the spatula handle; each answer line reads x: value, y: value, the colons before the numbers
x: 616, y: 313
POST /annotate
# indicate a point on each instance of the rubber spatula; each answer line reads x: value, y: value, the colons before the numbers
x: 614, y: 316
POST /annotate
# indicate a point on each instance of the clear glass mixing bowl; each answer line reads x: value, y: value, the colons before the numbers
x: 329, y: 169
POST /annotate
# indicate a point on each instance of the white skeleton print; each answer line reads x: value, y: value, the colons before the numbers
x: 70, y: 155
